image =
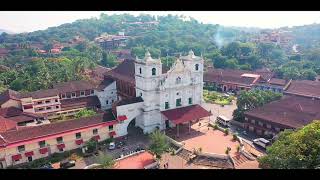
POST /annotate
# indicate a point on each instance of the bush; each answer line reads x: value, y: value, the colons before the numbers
x: 215, y: 127
x: 227, y: 151
x: 238, y: 148
x: 234, y: 137
x: 226, y: 131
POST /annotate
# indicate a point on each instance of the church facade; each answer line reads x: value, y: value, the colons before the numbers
x: 180, y: 86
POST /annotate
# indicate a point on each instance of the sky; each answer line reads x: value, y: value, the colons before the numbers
x: 27, y: 21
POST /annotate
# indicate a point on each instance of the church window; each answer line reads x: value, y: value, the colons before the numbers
x: 107, y: 102
x: 141, y: 94
x: 166, y: 105
x: 154, y: 71
x: 178, y: 80
x: 190, y: 100
x: 178, y: 102
x: 197, y: 67
x: 140, y: 71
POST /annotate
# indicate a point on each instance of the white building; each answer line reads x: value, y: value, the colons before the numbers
x: 181, y: 86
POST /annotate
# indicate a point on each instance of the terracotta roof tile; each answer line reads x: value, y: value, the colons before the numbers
x: 56, y: 128
x: 129, y: 101
x: 41, y: 93
x: 290, y: 111
x: 136, y: 161
x: 185, y: 114
x: 124, y: 71
x: 89, y: 101
x: 73, y: 86
x: 9, y: 94
x: 7, y: 124
x: 304, y: 88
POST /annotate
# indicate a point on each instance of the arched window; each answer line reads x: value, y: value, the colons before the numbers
x: 140, y: 71
x: 154, y: 71
x: 197, y: 67
x: 178, y: 80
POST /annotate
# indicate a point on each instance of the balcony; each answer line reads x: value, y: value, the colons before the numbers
x: 46, y: 104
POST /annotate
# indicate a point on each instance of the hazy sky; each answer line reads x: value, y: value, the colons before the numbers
x: 36, y: 20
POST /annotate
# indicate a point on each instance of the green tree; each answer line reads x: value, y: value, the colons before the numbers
x: 299, y: 149
x: 248, y: 100
x: 159, y: 143
x: 106, y: 161
x: 85, y: 113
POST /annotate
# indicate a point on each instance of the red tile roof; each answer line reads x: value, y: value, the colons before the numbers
x: 290, y: 111
x: 17, y: 115
x: 276, y: 81
x: 44, y: 93
x: 136, y: 161
x: 89, y: 101
x: 124, y: 71
x: 234, y: 76
x: 7, y: 124
x: 227, y: 76
x: 73, y: 86
x: 46, y: 130
x: 185, y: 114
x: 9, y: 94
x: 305, y: 88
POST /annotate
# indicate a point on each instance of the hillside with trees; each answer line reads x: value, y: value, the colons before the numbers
x: 164, y: 36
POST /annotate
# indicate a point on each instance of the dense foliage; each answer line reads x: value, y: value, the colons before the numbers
x: 248, y: 100
x: 298, y: 149
x: 85, y: 113
x: 159, y: 143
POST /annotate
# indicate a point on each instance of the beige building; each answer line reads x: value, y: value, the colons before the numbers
x: 41, y: 141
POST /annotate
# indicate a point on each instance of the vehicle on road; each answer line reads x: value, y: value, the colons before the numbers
x: 223, y: 121
x: 67, y: 164
x: 112, y: 146
x: 261, y: 142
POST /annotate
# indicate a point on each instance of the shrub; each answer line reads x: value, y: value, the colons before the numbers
x: 234, y: 137
x: 215, y: 127
x: 238, y: 148
x: 227, y: 151
x: 226, y: 131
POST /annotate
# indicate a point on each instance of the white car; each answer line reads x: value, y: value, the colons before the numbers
x: 261, y: 142
x: 112, y: 146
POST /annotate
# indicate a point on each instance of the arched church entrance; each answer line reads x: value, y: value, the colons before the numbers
x: 132, y: 129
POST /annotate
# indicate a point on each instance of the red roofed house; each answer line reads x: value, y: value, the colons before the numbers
x: 30, y: 143
x: 139, y: 160
x: 235, y: 80
x: 290, y: 112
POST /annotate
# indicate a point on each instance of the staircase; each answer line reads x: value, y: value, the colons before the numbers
x: 239, y: 159
x: 185, y: 154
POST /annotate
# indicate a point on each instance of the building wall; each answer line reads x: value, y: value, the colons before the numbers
x: 108, y: 94
x: 132, y: 111
x: 68, y: 139
x: 11, y: 103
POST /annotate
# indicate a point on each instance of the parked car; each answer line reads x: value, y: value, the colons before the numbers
x: 67, y: 164
x: 261, y: 142
x: 112, y: 146
x: 46, y: 166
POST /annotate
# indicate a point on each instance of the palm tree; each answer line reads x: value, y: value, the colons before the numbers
x: 159, y: 143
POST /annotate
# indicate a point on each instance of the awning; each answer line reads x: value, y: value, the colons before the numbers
x: 112, y: 133
x: 2, y: 159
x: 186, y: 114
x: 122, y: 118
x: 61, y: 146
x: 28, y: 154
x: 43, y: 150
x: 79, y: 141
x: 16, y: 157
x: 97, y: 137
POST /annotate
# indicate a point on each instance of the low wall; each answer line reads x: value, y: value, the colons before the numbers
x: 176, y: 143
x: 236, y: 123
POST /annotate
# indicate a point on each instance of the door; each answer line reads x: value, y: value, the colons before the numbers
x: 167, y: 124
x: 30, y: 158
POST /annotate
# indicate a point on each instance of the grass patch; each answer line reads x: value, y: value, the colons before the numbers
x: 217, y: 98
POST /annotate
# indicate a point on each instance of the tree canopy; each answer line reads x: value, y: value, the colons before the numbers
x: 299, y: 149
x: 248, y: 100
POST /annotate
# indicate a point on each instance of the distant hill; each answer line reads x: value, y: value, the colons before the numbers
x: 6, y: 31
